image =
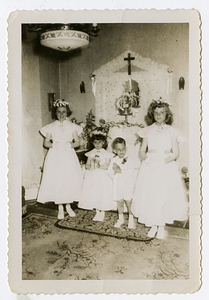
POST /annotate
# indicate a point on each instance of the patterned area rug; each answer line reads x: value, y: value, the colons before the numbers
x: 53, y: 253
x: 83, y: 222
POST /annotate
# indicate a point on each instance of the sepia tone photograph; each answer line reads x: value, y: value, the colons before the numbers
x: 107, y: 190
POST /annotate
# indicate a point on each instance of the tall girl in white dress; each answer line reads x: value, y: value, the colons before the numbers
x: 97, y: 187
x: 159, y: 195
x: 62, y: 176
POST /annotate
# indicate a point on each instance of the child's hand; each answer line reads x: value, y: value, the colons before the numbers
x: 88, y: 167
x: 103, y: 167
x: 116, y: 168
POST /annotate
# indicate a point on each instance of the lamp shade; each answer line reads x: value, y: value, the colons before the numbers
x: 64, y: 40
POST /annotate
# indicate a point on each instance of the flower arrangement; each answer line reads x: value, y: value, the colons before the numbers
x: 89, y: 124
x: 127, y: 102
x: 107, y: 125
x: 90, y: 128
x: 95, y: 162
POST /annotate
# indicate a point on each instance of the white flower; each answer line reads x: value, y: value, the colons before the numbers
x: 97, y: 132
x: 60, y: 102
x: 161, y: 101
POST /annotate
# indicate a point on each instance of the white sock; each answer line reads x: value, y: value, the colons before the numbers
x: 161, y: 232
x: 152, y: 231
x: 69, y: 210
x: 60, y: 212
x: 121, y: 217
x: 131, y: 217
x: 131, y: 224
x: 101, y: 216
x: 120, y: 221
x: 96, y: 217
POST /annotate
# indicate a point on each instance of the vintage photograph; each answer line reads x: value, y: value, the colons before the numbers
x: 106, y: 145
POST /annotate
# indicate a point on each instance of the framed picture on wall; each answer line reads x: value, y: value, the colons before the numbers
x: 51, y: 99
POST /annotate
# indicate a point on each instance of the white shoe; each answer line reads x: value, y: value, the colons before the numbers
x: 161, y: 233
x: 97, y: 216
x: 61, y: 214
x: 152, y: 231
x: 101, y: 216
x: 70, y: 211
x: 119, y: 223
x: 131, y: 224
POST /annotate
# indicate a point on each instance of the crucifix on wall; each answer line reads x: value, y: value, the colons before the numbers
x: 129, y: 59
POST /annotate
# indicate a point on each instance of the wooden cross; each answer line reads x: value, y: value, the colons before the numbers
x: 129, y: 59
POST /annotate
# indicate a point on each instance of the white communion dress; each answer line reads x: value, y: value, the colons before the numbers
x: 159, y: 195
x: 62, y: 176
x: 97, y: 187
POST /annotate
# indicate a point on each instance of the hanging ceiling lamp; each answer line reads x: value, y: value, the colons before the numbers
x: 64, y: 39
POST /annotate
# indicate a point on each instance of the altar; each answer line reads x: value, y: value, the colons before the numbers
x: 123, y: 89
x: 129, y: 72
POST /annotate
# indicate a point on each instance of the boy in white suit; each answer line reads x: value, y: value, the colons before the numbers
x: 122, y: 171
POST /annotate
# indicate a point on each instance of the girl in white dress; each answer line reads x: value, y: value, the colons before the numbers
x: 159, y: 195
x: 62, y: 176
x: 97, y: 187
x: 122, y: 171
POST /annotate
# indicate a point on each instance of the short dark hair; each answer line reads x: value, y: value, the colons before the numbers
x: 118, y: 140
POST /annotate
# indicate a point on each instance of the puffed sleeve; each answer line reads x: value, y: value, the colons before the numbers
x: 47, y: 129
x: 143, y: 132
x: 175, y: 133
x: 77, y: 128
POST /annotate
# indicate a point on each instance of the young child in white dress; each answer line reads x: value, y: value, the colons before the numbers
x: 97, y: 187
x: 62, y: 177
x: 159, y: 196
x: 122, y: 171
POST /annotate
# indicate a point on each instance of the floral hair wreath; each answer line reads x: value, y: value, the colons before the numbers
x: 97, y: 132
x: 60, y: 103
x: 161, y: 101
